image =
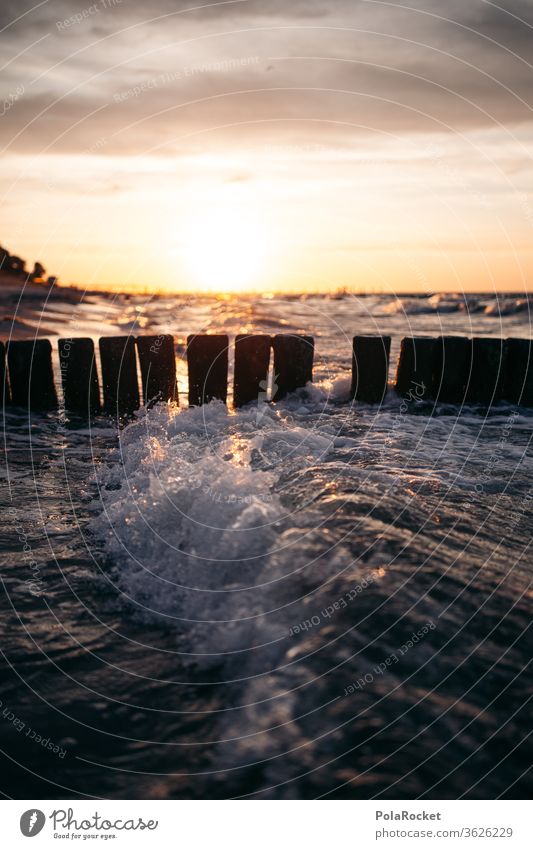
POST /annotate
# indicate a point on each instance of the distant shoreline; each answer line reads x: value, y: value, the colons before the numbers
x: 14, y: 287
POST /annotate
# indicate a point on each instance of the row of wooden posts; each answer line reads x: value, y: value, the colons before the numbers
x: 452, y: 369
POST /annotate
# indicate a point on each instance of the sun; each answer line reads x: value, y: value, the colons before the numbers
x: 225, y: 249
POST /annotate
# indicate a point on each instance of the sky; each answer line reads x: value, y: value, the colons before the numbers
x: 274, y: 145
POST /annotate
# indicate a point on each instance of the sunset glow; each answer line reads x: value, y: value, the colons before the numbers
x: 273, y: 149
x: 225, y: 250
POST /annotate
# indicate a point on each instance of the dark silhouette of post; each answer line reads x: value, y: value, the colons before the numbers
x: 252, y: 357
x: 31, y: 375
x: 79, y: 378
x: 207, y: 360
x: 451, y: 368
x: 157, y: 359
x: 487, y: 370
x: 518, y: 382
x: 119, y: 375
x: 370, y: 368
x: 293, y: 363
x: 5, y: 396
x: 414, y: 375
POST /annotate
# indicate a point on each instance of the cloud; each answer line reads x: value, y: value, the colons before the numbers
x: 362, y: 66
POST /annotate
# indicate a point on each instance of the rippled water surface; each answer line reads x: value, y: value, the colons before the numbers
x: 307, y: 599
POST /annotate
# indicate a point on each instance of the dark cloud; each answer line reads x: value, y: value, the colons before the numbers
x: 28, y: 14
x: 413, y: 70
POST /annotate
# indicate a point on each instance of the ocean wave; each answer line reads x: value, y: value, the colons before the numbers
x: 195, y: 506
x: 507, y: 306
x: 189, y: 513
x: 445, y: 303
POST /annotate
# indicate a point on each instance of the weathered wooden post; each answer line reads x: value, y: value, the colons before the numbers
x: 451, y: 368
x: 414, y: 376
x: 207, y: 360
x: 5, y: 396
x: 158, y: 368
x: 252, y: 357
x: 31, y: 375
x: 518, y: 383
x: 79, y: 378
x: 487, y: 371
x: 370, y: 368
x: 293, y: 363
x: 119, y: 375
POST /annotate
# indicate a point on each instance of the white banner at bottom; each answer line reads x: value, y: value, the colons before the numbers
x: 268, y: 824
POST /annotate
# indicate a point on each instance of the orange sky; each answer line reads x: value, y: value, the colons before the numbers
x: 268, y: 146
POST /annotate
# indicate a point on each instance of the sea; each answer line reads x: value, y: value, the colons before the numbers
x: 316, y: 598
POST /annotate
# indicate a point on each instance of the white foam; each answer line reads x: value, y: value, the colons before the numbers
x: 204, y: 533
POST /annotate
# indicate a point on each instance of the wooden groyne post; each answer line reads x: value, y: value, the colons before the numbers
x: 79, y: 378
x: 31, y: 375
x: 487, y: 370
x: 414, y: 375
x: 451, y: 368
x: 207, y: 361
x: 119, y: 375
x: 252, y: 358
x: 293, y: 363
x: 157, y: 359
x: 370, y: 368
x: 518, y: 380
x: 4, y: 384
